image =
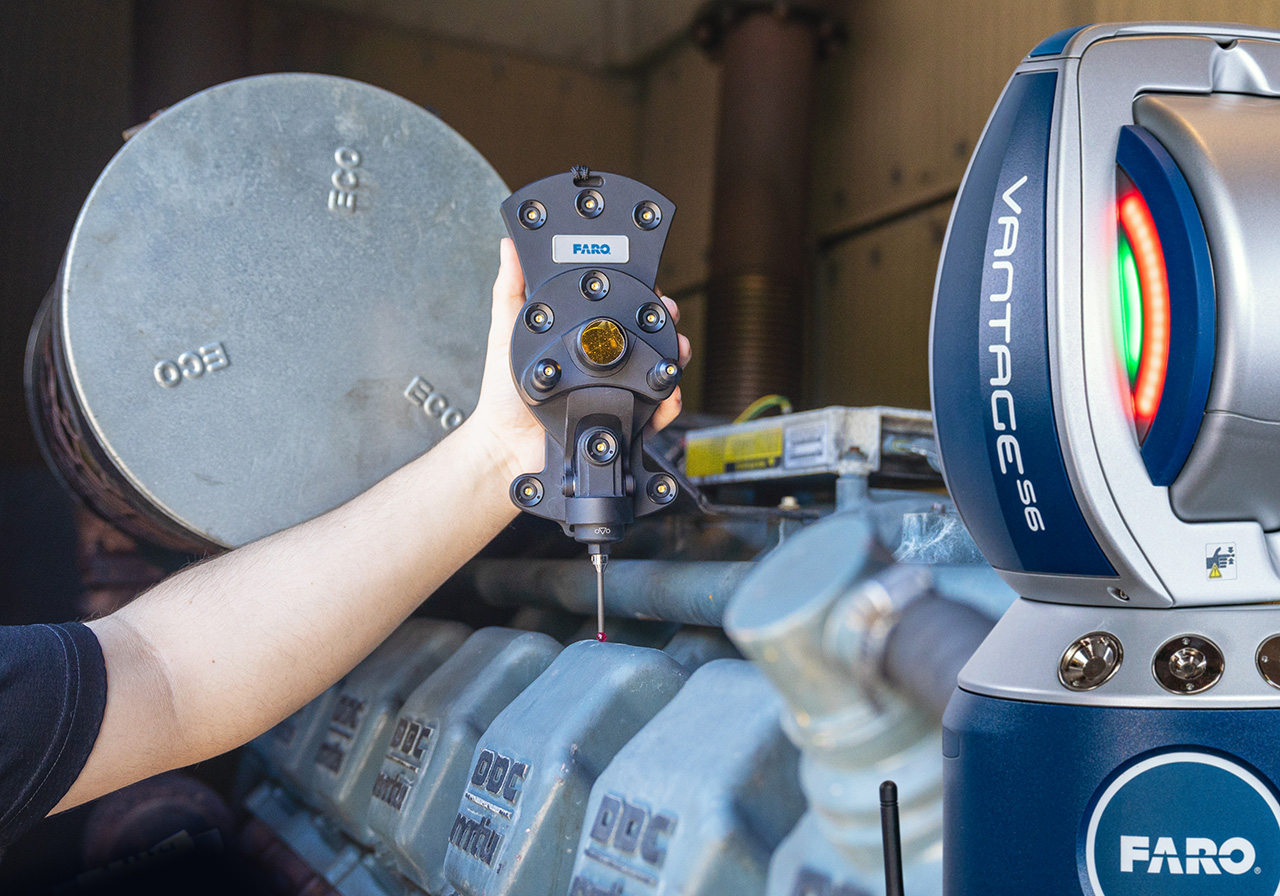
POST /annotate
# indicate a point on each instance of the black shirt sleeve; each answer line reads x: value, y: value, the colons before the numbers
x: 53, y: 691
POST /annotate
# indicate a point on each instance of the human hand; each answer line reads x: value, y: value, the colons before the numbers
x: 500, y: 410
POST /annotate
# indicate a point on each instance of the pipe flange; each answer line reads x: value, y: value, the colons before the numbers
x: 716, y: 18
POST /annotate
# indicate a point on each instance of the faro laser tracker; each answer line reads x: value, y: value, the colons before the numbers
x: 1105, y: 369
x: 594, y: 351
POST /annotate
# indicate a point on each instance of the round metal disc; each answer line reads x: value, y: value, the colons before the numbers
x: 1090, y: 661
x: 1268, y: 660
x: 1188, y: 664
x: 276, y: 294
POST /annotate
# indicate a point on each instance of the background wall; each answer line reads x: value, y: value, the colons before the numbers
x: 904, y: 104
x: 64, y: 75
x: 537, y: 110
x: 539, y: 86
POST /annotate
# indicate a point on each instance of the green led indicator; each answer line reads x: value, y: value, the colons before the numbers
x: 1130, y: 308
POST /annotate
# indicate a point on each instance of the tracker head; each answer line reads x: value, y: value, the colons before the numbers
x: 1105, y: 347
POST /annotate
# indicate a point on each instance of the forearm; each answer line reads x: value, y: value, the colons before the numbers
x: 226, y: 649
x: 219, y: 653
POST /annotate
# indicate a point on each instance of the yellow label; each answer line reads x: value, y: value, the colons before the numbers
x: 752, y: 450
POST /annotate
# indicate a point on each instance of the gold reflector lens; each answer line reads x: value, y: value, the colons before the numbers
x: 603, y: 342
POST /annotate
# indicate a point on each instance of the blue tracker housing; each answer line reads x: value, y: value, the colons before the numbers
x: 993, y: 407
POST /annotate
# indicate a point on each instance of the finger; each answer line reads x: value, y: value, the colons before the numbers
x: 666, y: 412
x: 686, y: 351
x: 672, y: 309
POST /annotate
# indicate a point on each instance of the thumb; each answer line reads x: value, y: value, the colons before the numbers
x: 508, y: 298
x: 508, y: 288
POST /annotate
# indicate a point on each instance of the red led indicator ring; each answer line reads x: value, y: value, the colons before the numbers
x: 1148, y: 255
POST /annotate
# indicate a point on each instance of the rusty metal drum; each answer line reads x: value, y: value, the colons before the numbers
x: 276, y: 293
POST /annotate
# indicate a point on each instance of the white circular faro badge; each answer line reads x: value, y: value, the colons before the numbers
x: 1184, y: 823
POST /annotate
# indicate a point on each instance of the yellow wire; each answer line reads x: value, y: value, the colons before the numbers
x: 760, y: 405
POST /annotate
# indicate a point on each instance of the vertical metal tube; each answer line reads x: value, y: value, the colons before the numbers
x: 759, y: 247
x: 182, y: 48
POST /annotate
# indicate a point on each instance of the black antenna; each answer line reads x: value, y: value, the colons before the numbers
x: 892, y: 838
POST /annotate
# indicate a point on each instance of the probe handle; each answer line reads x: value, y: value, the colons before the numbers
x: 593, y: 352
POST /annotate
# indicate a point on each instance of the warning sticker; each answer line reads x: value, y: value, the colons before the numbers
x: 758, y: 449
x: 752, y: 450
x: 1220, y: 561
